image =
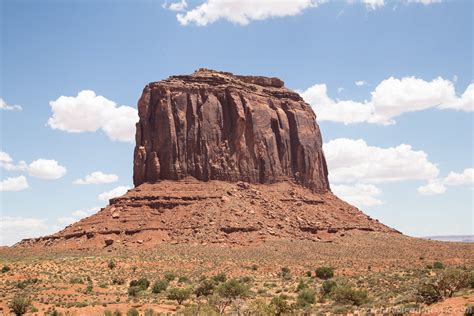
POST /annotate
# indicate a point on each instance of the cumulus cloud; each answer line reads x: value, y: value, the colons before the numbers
x: 176, y: 6
x: 48, y: 169
x: 360, y: 195
x: 97, y: 177
x: 118, y: 191
x: 351, y: 160
x: 13, y: 229
x: 88, y: 112
x: 14, y: 184
x: 245, y: 11
x: 438, y: 186
x: 6, y: 162
x: 360, y: 83
x: 391, y: 98
x: 7, y: 107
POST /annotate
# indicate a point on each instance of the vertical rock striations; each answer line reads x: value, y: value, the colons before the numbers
x: 218, y: 126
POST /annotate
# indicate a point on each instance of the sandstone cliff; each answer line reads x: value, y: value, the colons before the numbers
x: 218, y: 126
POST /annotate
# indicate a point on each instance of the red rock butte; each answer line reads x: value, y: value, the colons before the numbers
x: 214, y: 125
x: 220, y: 158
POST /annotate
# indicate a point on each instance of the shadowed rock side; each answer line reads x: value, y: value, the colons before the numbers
x: 218, y: 126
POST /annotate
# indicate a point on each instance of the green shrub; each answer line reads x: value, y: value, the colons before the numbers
x: 179, y: 294
x: 118, y: 281
x: 111, y: 264
x: 107, y: 313
x: 134, y: 290
x: 285, y: 273
x: 143, y: 283
x: 205, y: 288
x: 5, y: 269
x: 308, y: 274
x: 230, y: 291
x: 469, y: 311
x: 327, y: 287
x: 220, y: 277
x: 325, y: 273
x: 306, y: 297
x: 183, y: 279
x: 452, y: 280
x: 345, y: 294
x: 280, y: 305
x: 133, y: 312
x: 117, y: 313
x: 301, y: 286
x: 428, y: 293
x: 149, y: 312
x: 438, y: 265
x: 470, y: 279
x: 19, y: 304
x: 160, y: 286
x: 170, y: 276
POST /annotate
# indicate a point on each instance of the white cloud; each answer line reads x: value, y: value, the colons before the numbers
x: 340, y: 89
x: 14, y: 184
x: 176, y: 6
x: 6, y: 162
x: 7, y: 107
x: 391, y: 98
x: 118, y: 191
x: 433, y: 187
x: 48, y: 169
x: 464, y: 178
x: 360, y: 195
x: 328, y: 109
x: 352, y: 161
x: 97, y: 177
x: 243, y: 11
x: 88, y: 112
x: 438, y: 186
x: 13, y: 229
x: 360, y: 83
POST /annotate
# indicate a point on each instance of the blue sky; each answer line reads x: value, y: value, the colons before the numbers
x: 412, y: 61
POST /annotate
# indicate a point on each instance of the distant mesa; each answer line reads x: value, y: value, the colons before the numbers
x: 221, y: 158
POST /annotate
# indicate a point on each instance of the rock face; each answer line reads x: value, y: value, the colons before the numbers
x: 218, y: 126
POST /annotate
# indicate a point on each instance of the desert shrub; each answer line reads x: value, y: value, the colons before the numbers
x: 134, y: 290
x: 118, y: 280
x: 19, y: 304
x: 308, y: 274
x: 438, y: 265
x: 133, y: 312
x: 301, y: 286
x: 470, y: 279
x: 254, y: 267
x: 88, y: 289
x: 170, y: 276
x: 345, y: 294
x: 142, y: 283
x: 117, y: 313
x: 285, y: 273
x: 149, y: 312
x: 160, y: 286
x: 452, y: 280
x: 327, y: 287
x: 280, y: 305
x: 428, y: 293
x: 205, y: 288
x: 107, y: 313
x: 469, y: 311
x: 200, y: 310
x: 220, y: 277
x: 76, y: 280
x: 183, y: 279
x: 179, y: 294
x: 230, y: 291
x: 306, y: 297
x: 325, y: 273
x: 5, y: 269
x: 111, y: 264
x: 54, y: 313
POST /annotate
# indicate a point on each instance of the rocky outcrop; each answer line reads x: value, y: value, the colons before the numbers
x: 218, y: 126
